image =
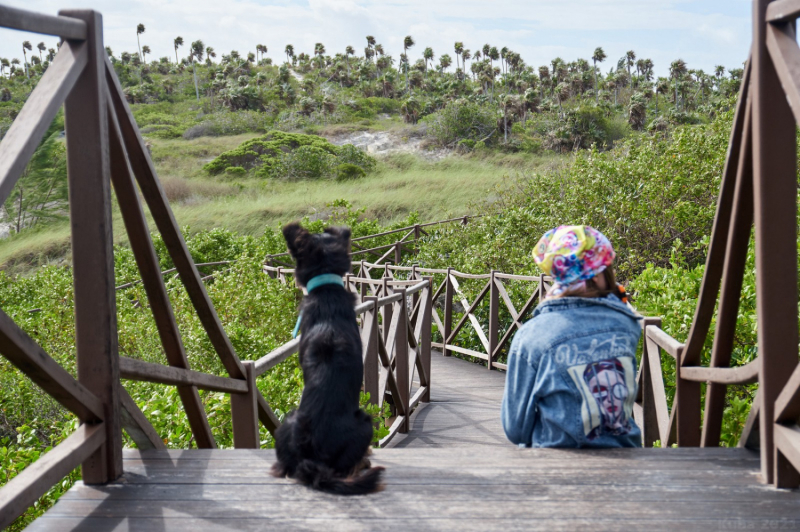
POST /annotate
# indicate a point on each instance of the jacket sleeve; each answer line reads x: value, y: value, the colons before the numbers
x: 519, y: 414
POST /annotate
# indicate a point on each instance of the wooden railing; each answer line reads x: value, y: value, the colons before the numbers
x: 395, y: 334
x: 493, y: 333
x: 382, y: 253
x: 104, y: 147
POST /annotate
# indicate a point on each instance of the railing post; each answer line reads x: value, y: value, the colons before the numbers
x: 244, y: 411
x: 89, y: 172
x: 649, y: 428
x: 397, y: 253
x: 370, y: 347
x: 448, y: 311
x: 401, y: 360
x: 417, y: 234
x: 426, y: 315
x: 386, y: 311
x: 271, y: 264
x: 494, y: 320
x: 775, y: 194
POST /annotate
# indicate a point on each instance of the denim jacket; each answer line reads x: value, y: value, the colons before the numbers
x: 571, y: 379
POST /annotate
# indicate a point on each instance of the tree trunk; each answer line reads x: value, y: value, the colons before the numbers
x: 194, y: 73
x: 596, y: 97
x: 19, y: 211
x: 505, y: 125
x: 176, y: 56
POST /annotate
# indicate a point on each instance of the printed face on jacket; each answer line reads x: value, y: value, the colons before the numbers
x: 607, y: 388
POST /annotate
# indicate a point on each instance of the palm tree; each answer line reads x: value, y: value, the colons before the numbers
x: 210, y: 53
x: 486, y: 48
x: 51, y: 54
x: 444, y: 62
x: 177, y: 42
x: 503, y: 54
x: 26, y: 45
x: 465, y: 56
x: 370, y: 43
x: 459, y: 47
x: 494, y: 55
x: 408, y: 42
x: 348, y: 51
x: 289, y: 51
x: 677, y: 70
x: 630, y: 58
x: 145, y: 51
x: 597, y: 57
x: 41, y: 47
x: 428, y: 56
x: 4, y: 64
x: 196, y: 54
x: 139, y: 31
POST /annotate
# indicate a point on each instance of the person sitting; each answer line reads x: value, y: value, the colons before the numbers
x: 571, y: 379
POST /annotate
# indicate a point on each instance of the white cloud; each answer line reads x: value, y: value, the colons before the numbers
x: 703, y: 33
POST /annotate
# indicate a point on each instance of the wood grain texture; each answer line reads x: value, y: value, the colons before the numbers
x: 26, y: 488
x: 20, y: 19
x: 146, y: 371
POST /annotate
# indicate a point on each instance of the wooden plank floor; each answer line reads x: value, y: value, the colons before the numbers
x: 464, y: 408
x: 454, y: 471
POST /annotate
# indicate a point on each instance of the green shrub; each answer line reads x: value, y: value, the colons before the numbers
x: 290, y: 155
x: 235, y: 171
x: 462, y: 120
x: 347, y: 171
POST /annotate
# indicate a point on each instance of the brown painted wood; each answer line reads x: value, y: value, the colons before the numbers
x: 244, y: 412
x: 20, y: 349
x: 787, y: 444
x: 447, y: 326
x: 657, y: 387
x: 785, y: 55
x: 783, y: 10
x: 732, y: 278
x: 749, y: 437
x: 401, y: 358
x: 712, y: 276
x: 23, y: 20
x: 151, y: 189
x: 746, y: 374
x: 147, y: 261
x: 275, y: 357
x: 775, y: 192
x: 265, y: 414
x: 140, y: 370
x: 88, y: 168
x: 136, y: 424
x: 369, y: 343
x: 26, y: 488
x: 787, y: 405
x: 425, y: 324
x: 30, y: 125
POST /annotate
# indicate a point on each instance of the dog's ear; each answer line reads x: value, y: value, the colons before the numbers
x: 296, y: 237
x: 343, y: 233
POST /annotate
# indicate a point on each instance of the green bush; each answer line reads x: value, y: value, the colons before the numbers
x: 290, y: 155
x: 347, y: 171
x: 462, y: 120
x: 235, y: 171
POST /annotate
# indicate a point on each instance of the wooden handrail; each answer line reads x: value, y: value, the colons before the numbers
x: 37, y: 114
x: 37, y: 479
x: 20, y: 19
x: 138, y: 370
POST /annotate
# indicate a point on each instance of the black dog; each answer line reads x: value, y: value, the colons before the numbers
x: 324, y: 443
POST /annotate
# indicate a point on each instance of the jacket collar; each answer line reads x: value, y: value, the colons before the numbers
x: 565, y: 303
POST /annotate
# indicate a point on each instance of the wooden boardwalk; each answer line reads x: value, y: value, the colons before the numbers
x: 464, y: 408
x: 453, y: 471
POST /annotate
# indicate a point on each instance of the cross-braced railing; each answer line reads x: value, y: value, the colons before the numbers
x: 104, y: 147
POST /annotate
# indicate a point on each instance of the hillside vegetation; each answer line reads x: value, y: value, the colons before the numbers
x: 243, y: 144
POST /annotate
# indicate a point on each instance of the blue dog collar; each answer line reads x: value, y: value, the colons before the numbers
x: 326, y: 278
x: 316, y: 282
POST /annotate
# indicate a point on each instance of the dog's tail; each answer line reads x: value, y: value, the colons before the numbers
x: 321, y: 477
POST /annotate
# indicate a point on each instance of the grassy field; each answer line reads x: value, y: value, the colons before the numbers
x: 402, y: 183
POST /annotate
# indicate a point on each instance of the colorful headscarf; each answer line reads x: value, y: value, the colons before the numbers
x: 572, y: 254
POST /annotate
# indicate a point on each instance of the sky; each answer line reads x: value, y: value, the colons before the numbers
x: 704, y: 33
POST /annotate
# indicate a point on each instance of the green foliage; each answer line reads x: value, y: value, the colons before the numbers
x: 380, y: 415
x: 290, y: 156
x: 462, y: 120
x: 347, y: 171
x: 645, y: 194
